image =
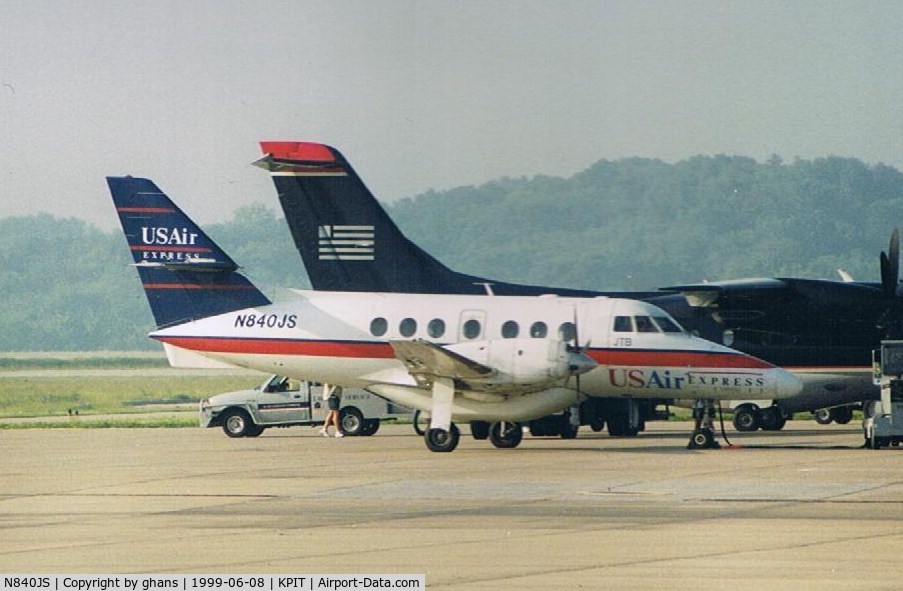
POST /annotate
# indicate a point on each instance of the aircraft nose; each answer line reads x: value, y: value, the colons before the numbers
x: 786, y: 384
x: 580, y: 363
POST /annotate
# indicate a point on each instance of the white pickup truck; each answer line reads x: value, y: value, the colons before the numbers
x: 283, y: 402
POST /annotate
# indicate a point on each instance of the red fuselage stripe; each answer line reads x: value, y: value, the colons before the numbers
x: 630, y: 357
x: 284, y: 347
x: 363, y: 350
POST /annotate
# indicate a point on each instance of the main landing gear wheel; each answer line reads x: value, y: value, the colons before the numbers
x: 441, y: 440
x: 823, y: 416
x: 772, y: 419
x: 479, y: 429
x: 842, y: 415
x: 506, y: 435
x: 746, y: 418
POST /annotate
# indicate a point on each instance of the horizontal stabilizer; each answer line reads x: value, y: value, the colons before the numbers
x: 194, y: 265
x: 179, y: 357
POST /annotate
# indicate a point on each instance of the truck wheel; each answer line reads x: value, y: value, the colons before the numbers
x: 746, y: 418
x: 441, y: 440
x: 505, y: 434
x: 237, y: 423
x: 254, y: 430
x: 370, y: 427
x: 352, y: 421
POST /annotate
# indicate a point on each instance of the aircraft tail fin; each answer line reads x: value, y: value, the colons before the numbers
x: 185, y: 275
x: 346, y: 239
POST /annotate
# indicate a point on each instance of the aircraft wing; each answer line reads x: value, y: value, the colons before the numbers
x: 769, y: 292
x: 426, y: 361
x: 715, y: 294
x: 789, y: 305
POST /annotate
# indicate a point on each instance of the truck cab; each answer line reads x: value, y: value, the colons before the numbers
x: 283, y: 402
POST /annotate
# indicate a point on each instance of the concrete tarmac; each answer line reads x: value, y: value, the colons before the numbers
x: 804, y: 508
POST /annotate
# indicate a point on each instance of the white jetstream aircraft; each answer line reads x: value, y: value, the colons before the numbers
x: 500, y: 359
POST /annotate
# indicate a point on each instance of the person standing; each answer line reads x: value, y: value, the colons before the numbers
x: 333, y: 397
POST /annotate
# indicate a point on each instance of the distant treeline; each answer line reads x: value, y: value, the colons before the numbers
x: 629, y: 224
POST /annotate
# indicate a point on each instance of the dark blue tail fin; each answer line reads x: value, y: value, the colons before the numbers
x: 185, y: 275
x: 347, y: 240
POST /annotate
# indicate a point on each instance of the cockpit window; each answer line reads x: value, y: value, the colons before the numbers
x: 644, y: 324
x: 623, y: 324
x: 666, y: 324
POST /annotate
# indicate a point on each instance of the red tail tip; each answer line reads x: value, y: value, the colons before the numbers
x: 298, y: 151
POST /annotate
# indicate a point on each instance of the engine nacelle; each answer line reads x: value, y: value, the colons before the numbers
x: 525, y: 361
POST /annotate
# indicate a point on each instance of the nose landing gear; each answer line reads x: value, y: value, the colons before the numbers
x: 703, y: 436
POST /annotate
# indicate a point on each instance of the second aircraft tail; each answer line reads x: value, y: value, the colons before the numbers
x: 346, y: 239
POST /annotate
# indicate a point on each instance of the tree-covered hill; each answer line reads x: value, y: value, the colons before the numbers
x: 637, y: 223
x: 65, y: 285
x: 629, y: 224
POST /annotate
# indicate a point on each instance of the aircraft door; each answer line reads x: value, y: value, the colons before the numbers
x: 593, y: 324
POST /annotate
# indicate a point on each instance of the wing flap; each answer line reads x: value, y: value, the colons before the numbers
x: 425, y: 361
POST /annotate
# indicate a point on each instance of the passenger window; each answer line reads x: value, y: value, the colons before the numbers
x: 539, y: 330
x: 378, y: 327
x: 436, y: 328
x: 510, y: 330
x: 644, y: 324
x: 667, y: 325
x: 472, y: 329
x: 623, y: 324
x: 408, y: 327
x: 567, y: 331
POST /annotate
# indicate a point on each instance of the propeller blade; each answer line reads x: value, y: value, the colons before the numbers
x: 580, y: 362
x: 576, y: 330
x: 890, y: 265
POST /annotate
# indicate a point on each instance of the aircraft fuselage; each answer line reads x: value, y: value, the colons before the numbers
x: 344, y: 338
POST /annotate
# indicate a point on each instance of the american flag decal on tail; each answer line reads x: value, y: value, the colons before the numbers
x: 347, y: 243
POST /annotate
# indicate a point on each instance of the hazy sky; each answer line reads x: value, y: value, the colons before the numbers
x: 421, y: 94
